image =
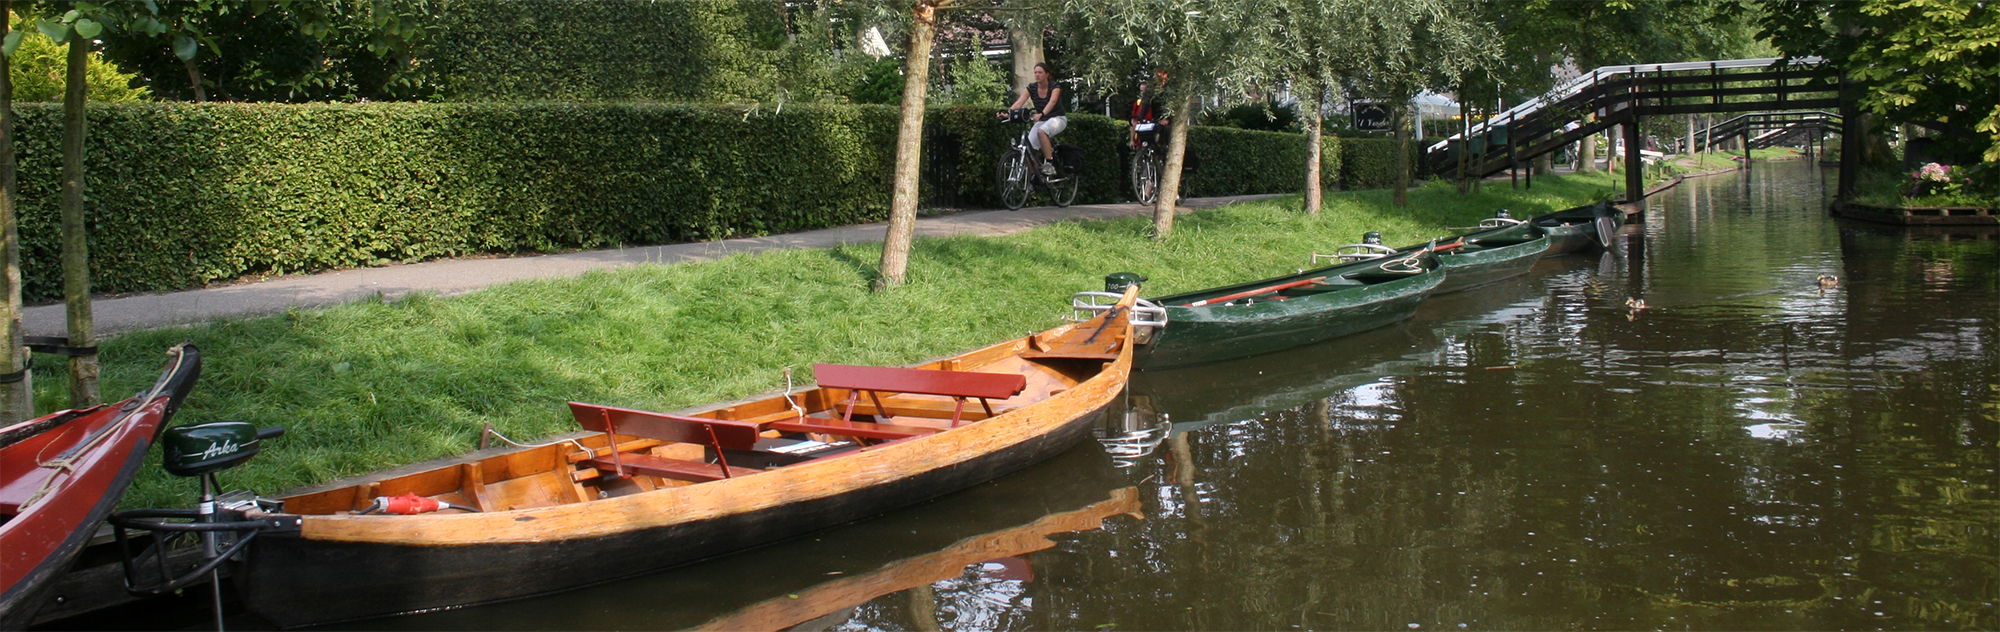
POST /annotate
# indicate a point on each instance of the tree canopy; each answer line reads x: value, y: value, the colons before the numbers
x: 1935, y: 62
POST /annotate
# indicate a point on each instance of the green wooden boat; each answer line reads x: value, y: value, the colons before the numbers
x: 1505, y: 249
x: 1284, y: 312
x: 1502, y: 248
x: 1575, y: 229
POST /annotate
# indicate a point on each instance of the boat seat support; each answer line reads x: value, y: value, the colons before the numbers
x: 958, y: 385
x: 718, y: 434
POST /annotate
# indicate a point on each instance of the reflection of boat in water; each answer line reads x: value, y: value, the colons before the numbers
x: 985, y: 522
x: 1005, y: 549
x: 1230, y: 391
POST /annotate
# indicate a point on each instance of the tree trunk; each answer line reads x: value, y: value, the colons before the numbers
x: 1611, y: 148
x: 194, y: 79
x: 909, y: 148
x: 1586, y: 154
x: 1313, y: 149
x: 76, y: 249
x: 17, y: 398
x: 1402, y: 197
x: 1464, y: 138
x: 1170, y: 181
x: 1025, y: 34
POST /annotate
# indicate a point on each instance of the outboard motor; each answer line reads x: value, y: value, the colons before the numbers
x: 1503, y: 214
x: 1118, y: 282
x: 1371, y: 238
x: 199, y: 450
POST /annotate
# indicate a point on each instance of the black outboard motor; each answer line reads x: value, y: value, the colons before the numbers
x: 1118, y: 282
x: 1372, y: 238
x: 1503, y: 214
x: 199, y: 450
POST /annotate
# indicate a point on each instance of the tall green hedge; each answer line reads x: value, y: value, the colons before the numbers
x: 181, y: 195
x: 1370, y: 163
x: 185, y: 194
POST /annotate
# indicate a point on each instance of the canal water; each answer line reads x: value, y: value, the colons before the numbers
x: 1750, y: 450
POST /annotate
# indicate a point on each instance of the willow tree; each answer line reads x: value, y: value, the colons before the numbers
x: 1301, y: 53
x: 1395, y: 49
x: 902, y: 230
x: 1202, y: 46
x: 17, y: 392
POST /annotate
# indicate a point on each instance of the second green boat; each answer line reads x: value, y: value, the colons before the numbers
x: 1284, y: 312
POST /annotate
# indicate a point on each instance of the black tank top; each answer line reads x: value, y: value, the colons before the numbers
x: 1042, y: 100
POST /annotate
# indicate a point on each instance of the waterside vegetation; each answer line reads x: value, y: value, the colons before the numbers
x: 376, y: 384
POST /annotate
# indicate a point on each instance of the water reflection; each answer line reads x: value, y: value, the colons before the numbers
x: 1749, y: 451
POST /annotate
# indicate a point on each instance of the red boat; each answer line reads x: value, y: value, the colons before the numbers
x: 61, y: 474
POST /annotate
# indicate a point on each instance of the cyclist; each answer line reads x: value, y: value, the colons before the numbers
x: 1144, y: 110
x: 1049, y: 118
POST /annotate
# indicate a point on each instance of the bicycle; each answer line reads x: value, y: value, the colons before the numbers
x: 1019, y: 173
x: 1149, y: 159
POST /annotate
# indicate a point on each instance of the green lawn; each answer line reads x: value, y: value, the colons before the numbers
x: 374, y: 384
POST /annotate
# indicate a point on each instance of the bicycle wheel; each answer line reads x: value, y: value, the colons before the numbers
x: 1011, y: 179
x: 1146, y: 176
x: 1062, y: 190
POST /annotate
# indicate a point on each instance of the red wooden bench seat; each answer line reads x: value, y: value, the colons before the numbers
x: 957, y: 385
x: 715, y: 433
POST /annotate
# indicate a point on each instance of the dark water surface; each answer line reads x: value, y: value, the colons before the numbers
x: 1748, y: 452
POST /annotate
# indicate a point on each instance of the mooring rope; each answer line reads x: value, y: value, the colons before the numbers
x: 67, y: 465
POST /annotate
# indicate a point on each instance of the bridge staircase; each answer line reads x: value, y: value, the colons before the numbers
x: 1615, y: 95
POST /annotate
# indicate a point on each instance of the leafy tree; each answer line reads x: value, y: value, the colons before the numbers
x: 38, y: 68
x: 1394, y: 49
x: 284, y: 50
x: 1199, y: 44
x: 17, y: 394
x: 1929, y: 61
x: 1302, y: 52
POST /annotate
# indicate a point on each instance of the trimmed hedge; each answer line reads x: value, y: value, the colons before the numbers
x: 181, y: 194
x: 184, y: 194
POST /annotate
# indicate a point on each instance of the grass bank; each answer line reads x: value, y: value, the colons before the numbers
x: 373, y: 384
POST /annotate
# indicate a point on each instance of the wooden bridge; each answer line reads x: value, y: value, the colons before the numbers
x: 1623, y: 95
x: 1762, y: 129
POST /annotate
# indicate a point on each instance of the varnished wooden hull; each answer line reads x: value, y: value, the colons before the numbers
x: 344, y: 567
x: 294, y: 580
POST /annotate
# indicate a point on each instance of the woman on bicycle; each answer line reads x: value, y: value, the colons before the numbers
x: 1048, y: 116
x: 1145, y: 111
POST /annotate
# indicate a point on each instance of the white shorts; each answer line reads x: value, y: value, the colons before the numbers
x: 1051, y: 127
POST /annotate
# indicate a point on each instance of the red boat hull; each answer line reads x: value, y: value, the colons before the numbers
x: 58, y: 483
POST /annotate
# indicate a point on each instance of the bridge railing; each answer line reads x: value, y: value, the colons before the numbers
x: 1615, y: 94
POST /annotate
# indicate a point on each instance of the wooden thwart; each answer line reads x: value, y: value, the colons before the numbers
x: 957, y: 385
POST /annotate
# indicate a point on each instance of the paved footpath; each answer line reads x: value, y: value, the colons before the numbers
x: 457, y: 276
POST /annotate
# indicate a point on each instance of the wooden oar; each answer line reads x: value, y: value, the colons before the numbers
x: 1267, y: 290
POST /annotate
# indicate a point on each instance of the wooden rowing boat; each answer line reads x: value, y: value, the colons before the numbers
x: 61, y: 474
x: 693, y: 485
x: 1575, y: 229
x: 1280, y: 313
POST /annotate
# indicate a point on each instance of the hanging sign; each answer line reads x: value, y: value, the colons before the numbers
x: 1369, y: 115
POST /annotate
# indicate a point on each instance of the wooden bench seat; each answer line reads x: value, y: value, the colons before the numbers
x: 718, y: 435
x: 958, y: 385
